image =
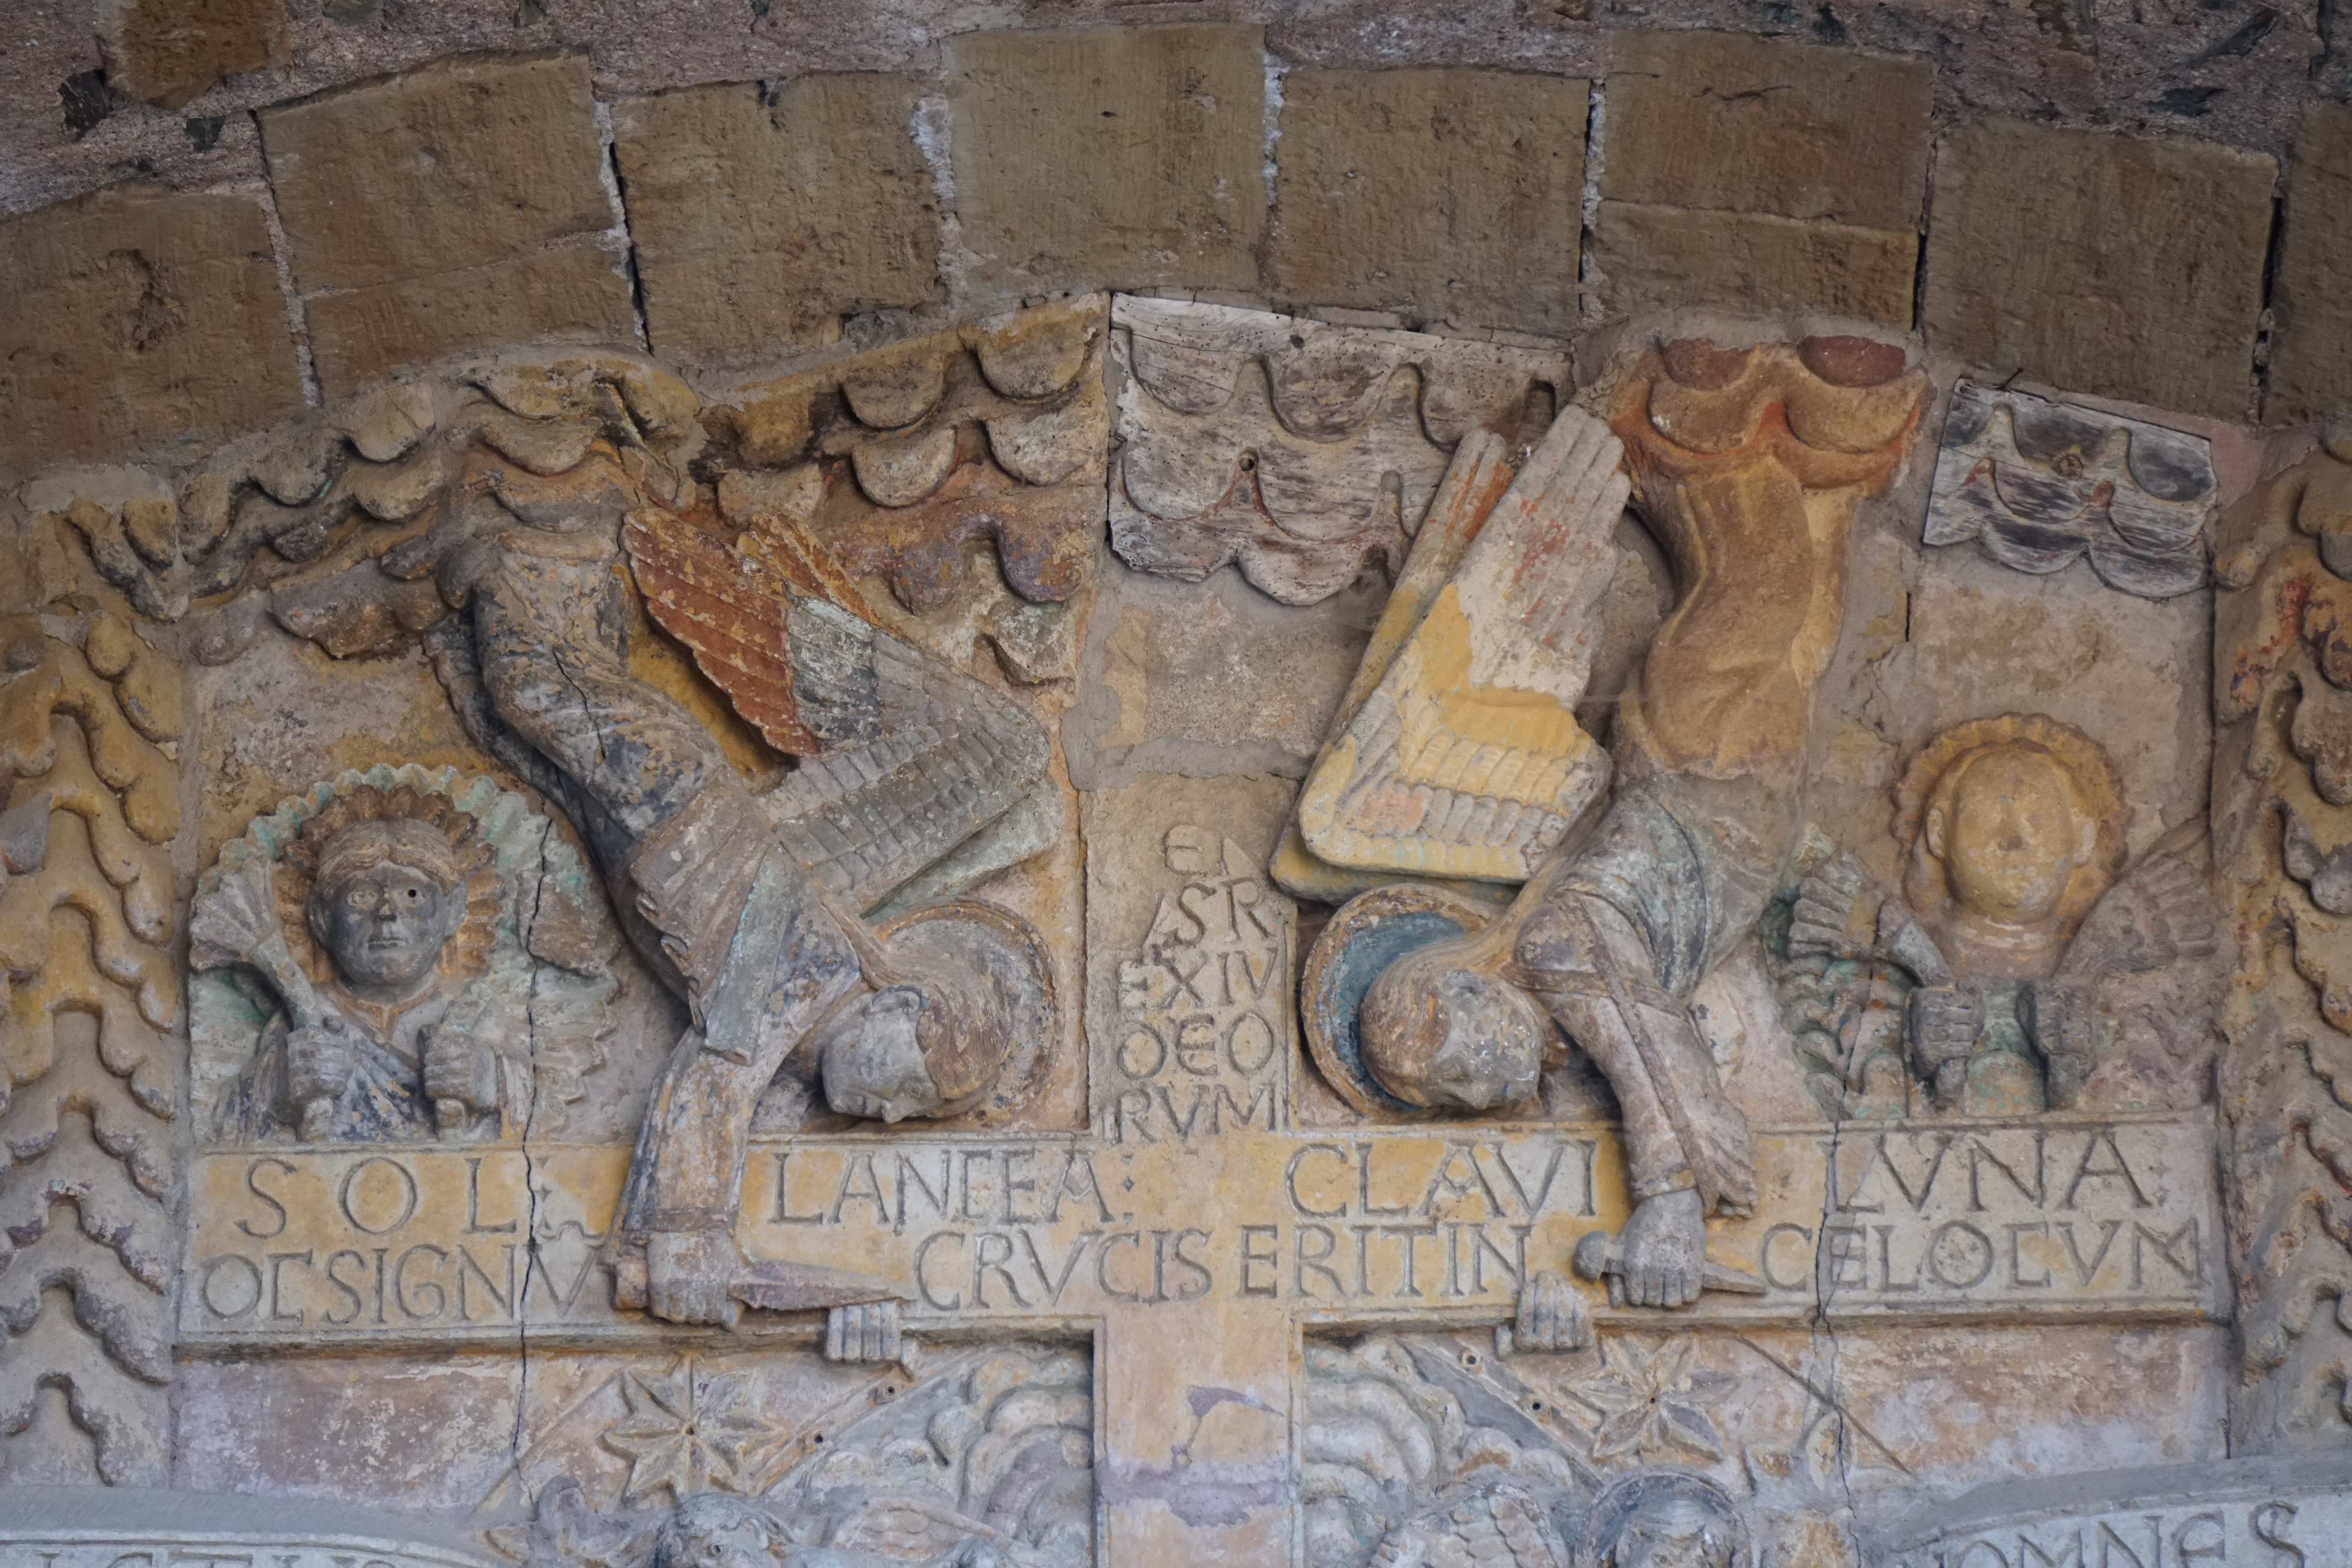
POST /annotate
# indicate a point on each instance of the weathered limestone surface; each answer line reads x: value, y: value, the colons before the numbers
x: 416, y: 210
x: 1712, y: 137
x: 1676, y: 259
x: 454, y: 165
x: 2313, y: 297
x: 2101, y: 263
x: 358, y: 334
x: 169, y: 51
x: 1735, y: 123
x: 1208, y: 679
x: 1453, y: 194
x: 1111, y: 158
x: 760, y: 217
x: 139, y: 319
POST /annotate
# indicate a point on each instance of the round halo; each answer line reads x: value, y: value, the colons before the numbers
x: 1368, y: 932
x: 1620, y: 1498
x: 1009, y: 952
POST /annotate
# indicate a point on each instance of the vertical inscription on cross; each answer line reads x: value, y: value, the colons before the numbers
x: 1189, y: 1003
x: 1191, y: 1036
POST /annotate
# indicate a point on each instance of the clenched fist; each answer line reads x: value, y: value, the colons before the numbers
x: 319, y: 1062
x: 2063, y: 1021
x: 1943, y: 1027
x: 688, y: 1276
x: 1552, y: 1315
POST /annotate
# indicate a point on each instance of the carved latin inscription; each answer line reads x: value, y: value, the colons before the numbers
x: 2043, y: 1218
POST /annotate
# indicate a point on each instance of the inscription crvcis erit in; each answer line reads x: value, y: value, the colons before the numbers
x: 400, y: 956
x: 1733, y: 456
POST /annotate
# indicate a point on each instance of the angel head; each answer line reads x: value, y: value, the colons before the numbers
x: 717, y: 1530
x: 2015, y: 822
x: 905, y: 1048
x: 1440, y: 1029
x: 1663, y: 1519
x: 391, y: 879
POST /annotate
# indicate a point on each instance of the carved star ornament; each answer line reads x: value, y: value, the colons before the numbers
x: 684, y: 1433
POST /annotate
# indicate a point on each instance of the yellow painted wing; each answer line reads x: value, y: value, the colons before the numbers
x: 1465, y: 759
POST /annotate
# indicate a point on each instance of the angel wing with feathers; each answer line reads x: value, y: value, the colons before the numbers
x: 904, y: 756
x: 1467, y: 759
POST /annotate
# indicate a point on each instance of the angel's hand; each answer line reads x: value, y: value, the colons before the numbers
x: 457, y: 1067
x: 1944, y: 1023
x: 870, y: 1331
x: 1825, y: 905
x: 318, y: 1061
x: 2062, y: 1022
x: 687, y: 1273
x: 1552, y: 1315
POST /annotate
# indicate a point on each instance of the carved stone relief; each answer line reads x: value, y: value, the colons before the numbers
x: 2023, y: 966
x: 2279, y: 778
x: 400, y: 956
x: 92, y: 1080
x: 1304, y: 452
x: 681, y: 1068
x: 2041, y: 484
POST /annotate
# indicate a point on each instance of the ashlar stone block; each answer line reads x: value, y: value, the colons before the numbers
x: 1125, y: 159
x: 1735, y: 123
x: 1676, y: 258
x: 169, y: 51
x: 1746, y: 175
x: 463, y: 162
x: 1455, y: 192
x: 137, y: 318
x: 2311, y: 359
x: 2101, y: 263
x: 759, y: 221
x: 427, y: 204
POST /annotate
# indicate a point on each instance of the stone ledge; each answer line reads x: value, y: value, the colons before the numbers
x: 359, y: 335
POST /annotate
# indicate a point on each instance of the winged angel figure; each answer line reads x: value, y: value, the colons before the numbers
x: 1465, y: 759
x: 2012, y: 916
x: 750, y: 906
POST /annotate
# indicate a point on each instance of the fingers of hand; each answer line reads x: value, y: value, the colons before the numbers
x: 866, y: 1331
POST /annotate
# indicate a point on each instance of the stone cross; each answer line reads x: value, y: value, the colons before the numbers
x: 1220, y: 1209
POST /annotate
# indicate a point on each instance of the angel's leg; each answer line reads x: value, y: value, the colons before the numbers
x: 1687, y: 1146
